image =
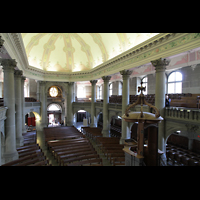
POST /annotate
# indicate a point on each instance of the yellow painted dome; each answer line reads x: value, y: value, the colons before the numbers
x: 70, y: 52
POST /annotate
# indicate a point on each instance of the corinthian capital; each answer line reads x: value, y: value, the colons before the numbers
x: 106, y: 78
x: 1, y: 42
x: 160, y: 64
x: 8, y: 64
x: 18, y: 73
x: 23, y: 78
x: 93, y: 82
x: 126, y: 73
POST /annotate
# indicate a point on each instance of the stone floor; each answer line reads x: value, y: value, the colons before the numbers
x: 53, y: 161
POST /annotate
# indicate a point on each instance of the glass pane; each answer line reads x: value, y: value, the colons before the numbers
x: 110, y: 92
x: 171, y: 77
x: 178, y: 76
x: 145, y: 84
x: 144, y: 79
x: 170, y: 88
x: 179, y: 87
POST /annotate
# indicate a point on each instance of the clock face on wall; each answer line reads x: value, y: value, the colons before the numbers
x: 53, y: 91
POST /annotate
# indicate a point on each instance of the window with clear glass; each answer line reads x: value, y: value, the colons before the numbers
x: 110, y: 89
x: 145, y: 83
x: 53, y: 91
x: 100, y: 92
x: 81, y: 91
x: 120, y: 88
x: 175, y: 82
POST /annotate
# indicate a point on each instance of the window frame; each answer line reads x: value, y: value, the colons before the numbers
x: 175, y: 82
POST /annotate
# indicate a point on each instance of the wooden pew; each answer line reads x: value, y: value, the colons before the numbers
x: 91, y: 162
x: 74, y: 151
x: 41, y: 163
x: 81, y: 158
x: 32, y: 161
x: 25, y: 158
x: 119, y: 161
x: 115, y: 155
x: 64, y: 158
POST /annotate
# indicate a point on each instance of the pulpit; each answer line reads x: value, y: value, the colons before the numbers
x: 134, y: 153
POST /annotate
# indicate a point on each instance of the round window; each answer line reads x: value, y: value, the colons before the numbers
x: 53, y: 91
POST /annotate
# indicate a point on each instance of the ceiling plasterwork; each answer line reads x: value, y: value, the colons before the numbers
x: 73, y: 52
x: 90, y: 60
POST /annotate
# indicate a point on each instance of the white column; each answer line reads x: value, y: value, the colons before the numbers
x: 93, y: 100
x: 70, y: 119
x: 125, y: 101
x: 43, y: 109
x: 66, y: 95
x: 38, y: 90
x: 160, y: 65
x: 1, y: 83
x: 18, y: 106
x: 23, y: 78
x: 106, y: 131
x: 10, y: 153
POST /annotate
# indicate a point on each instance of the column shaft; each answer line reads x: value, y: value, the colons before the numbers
x: 18, y: 102
x: 43, y: 109
x: 106, y: 131
x: 125, y: 101
x: 93, y: 118
x: 70, y: 121
x: 23, y: 78
x: 9, y: 101
x: 160, y: 65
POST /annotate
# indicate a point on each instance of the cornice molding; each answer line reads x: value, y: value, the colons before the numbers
x: 162, y: 45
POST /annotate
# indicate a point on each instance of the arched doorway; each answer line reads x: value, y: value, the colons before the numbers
x: 32, y: 119
x: 54, y: 111
x: 115, y: 126
x: 100, y: 120
x: 82, y: 118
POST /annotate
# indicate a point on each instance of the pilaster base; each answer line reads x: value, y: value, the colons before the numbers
x: 8, y: 157
x: 122, y: 140
x: 24, y: 130
x: 70, y: 124
x: 105, y: 133
x: 19, y: 141
x: 93, y: 125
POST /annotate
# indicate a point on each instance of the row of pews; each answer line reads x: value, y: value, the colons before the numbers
x: 109, y: 146
x: 70, y: 147
x: 30, y: 154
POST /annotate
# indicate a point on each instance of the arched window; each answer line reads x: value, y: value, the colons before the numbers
x: 110, y: 89
x: 175, y: 82
x: 81, y: 91
x: 120, y: 88
x: 145, y: 83
x: 54, y: 107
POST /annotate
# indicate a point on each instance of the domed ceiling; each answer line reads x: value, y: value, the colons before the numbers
x: 71, y: 52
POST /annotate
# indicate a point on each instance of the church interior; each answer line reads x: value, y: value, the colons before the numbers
x: 99, y: 99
